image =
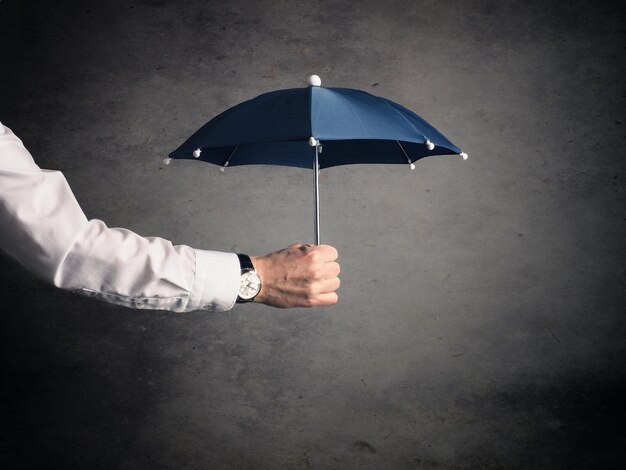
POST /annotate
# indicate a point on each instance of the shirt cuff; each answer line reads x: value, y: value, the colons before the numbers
x: 216, y: 282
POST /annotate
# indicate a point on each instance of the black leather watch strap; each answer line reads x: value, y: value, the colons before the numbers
x: 245, y: 262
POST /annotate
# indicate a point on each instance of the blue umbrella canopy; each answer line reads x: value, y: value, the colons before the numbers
x: 291, y: 127
x: 354, y: 127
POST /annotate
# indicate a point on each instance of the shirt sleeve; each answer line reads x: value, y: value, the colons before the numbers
x: 43, y: 227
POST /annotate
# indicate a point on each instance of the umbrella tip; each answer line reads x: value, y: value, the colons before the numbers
x: 167, y: 160
x: 412, y: 166
x: 464, y: 155
x: 315, y: 80
x: 196, y: 153
x: 429, y: 145
x: 313, y: 142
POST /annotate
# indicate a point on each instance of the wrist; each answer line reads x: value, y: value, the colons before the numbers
x: 250, y: 282
x: 261, y: 269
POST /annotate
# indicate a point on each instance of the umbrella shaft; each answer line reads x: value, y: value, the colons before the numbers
x: 316, y: 173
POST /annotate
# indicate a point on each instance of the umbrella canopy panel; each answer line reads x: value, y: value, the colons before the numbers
x: 346, y: 114
x: 277, y: 116
x: 353, y: 126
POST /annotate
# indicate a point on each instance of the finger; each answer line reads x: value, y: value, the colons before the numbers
x: 330, y: 298
x: 327, y: 252
x: 328, y: 285
x: 329, y: 270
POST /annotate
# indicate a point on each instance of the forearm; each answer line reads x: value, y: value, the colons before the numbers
x: 43, y: 227
x: 118, y: 266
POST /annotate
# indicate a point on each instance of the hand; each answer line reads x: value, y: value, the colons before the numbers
x: 298, y: 276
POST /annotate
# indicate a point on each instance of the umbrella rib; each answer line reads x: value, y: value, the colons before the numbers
x: 402, y: 116
x: 408, y: 159
x: 310, y: 113
x: 230, y: 156
x: 354, y: 112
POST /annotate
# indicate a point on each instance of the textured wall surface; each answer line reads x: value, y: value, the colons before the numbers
x: 481, y: 315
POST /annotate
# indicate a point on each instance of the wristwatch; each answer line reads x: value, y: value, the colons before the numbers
x: 250, y: 284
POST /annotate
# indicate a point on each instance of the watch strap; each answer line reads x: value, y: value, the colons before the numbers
x: 245, y: 262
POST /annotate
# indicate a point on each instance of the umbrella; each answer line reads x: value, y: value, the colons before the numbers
x: 315, y: 127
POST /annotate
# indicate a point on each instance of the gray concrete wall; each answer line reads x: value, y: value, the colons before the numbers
x: 480, y: 322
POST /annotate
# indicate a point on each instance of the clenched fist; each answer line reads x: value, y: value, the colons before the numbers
x: 298, y: 276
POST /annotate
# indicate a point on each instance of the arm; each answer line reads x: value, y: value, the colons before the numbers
x: 43, y: 227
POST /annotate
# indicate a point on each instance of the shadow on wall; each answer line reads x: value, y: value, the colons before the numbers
x: 576, y: 423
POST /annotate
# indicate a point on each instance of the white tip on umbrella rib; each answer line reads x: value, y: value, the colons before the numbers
x: 412, y: 166
x: 167, y: 160
x: 196, y: 153
x: 315, y: 80
x: 429, y: 145
x: 464, y: 155
x: 312, y: 141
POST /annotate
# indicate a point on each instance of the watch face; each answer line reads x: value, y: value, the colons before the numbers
x: 250, y: 285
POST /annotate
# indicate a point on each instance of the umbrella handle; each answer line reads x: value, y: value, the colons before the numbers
x: 316, y: 173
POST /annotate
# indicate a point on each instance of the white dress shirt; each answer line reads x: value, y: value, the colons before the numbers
x: 43, y: 227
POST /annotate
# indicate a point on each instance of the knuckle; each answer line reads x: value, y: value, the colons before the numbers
x: 315, y: 273
x: 311, y: 291
x: 296, y: 250
x: 314, y: 256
